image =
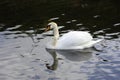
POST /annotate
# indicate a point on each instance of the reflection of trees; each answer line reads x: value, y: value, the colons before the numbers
x: 36, y: 12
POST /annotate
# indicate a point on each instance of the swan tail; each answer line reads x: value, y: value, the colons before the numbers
x: 97, y: 41
x: 94, y: 42
x: 91, y: 43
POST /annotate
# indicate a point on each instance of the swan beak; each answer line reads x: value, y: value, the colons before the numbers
x: 47, y: 28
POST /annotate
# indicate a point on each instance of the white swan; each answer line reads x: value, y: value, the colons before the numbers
x: 70, y: 40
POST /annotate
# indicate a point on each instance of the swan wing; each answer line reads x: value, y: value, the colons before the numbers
x: 73, y: 39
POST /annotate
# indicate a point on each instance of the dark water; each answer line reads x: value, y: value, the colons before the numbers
x: 22, y: 40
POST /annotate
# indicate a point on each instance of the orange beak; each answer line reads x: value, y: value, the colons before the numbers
x: 47, y: 28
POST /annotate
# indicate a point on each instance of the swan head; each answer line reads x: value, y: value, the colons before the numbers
x: 51, y: 25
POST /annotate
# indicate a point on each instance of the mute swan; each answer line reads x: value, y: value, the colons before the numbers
x: 70, y: 40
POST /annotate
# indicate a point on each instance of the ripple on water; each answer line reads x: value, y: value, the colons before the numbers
x: 22, y: 47
x: 117, y: 24
x: 13, y: 28
x: 23, y: 56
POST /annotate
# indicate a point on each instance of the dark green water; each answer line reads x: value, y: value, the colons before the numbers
x: 22, y: 40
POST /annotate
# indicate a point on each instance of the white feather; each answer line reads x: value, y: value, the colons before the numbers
x: 72, y: 40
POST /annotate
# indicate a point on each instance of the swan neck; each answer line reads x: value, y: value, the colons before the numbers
x: 56, y: 32
x: 56, y: 35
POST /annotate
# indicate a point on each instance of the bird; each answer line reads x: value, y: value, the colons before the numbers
x: 71, y: 40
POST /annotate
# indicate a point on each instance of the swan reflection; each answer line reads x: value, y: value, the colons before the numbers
x: 71, y: 55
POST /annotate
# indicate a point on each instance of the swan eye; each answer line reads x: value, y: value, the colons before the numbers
x: 47, y: 28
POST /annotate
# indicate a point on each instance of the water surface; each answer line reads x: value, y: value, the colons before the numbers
x: 22, y: 40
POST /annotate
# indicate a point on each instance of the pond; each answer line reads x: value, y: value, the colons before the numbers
x: 23, y: 55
